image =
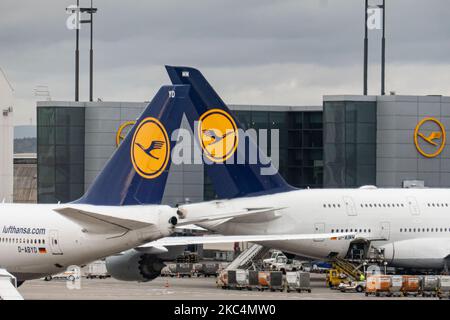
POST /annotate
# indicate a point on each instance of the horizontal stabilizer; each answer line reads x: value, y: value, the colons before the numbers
x: 246, y: 213
x: 177, y: 241
x: 94, y: 222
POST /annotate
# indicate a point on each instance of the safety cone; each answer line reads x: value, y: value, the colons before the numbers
x: 167, y: 285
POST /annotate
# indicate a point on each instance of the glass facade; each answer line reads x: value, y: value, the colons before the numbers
x: 60, y: 149
x: 349, y: 143
x: 301, y: 145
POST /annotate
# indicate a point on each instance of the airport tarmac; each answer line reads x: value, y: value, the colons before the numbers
x: 174, y: 289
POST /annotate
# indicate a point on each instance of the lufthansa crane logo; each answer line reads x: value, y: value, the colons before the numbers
x: 430, y: 137
x: 218, y: 135
x: 150, y: 148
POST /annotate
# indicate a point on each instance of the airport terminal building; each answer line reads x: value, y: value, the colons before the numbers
x: 349, y: 141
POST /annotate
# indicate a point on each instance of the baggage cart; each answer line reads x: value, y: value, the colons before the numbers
x: 263, y: 280
x: 206, y: 269
x: 97, y: 269
x: 241, y: 279
x: 184, y: 270
x: 395, y: 288
x: 232, y: 283
x: 411, y: 285
x: 298, y: 281
x: 252, y: 279
x: 378, y: 285
x: 444, y: 287
x: 276, y: 281
x: 429, y: 286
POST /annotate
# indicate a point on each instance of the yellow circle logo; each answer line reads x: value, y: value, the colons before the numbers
x: 430, y: 137
x: 150, y: 148
x: 122, y: 132
x: 218, y: 135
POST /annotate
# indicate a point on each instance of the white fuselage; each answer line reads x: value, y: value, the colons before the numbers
x: 37, y: 241
x: 411, y: 225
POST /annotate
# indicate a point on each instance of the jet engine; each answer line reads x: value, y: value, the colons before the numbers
x: 418, y: 253
x: 134, y: 266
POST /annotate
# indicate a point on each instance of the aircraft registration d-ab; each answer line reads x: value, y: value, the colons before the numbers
x: 121, y: 210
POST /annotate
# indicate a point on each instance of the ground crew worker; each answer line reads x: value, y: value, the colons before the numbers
x: 361, y: 277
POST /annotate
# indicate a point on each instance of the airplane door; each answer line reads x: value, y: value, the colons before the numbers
x: 54, y: 242
x: 413, y: 206
x: 350, y: 206
x: 319, y: 228
x: 385, y: 230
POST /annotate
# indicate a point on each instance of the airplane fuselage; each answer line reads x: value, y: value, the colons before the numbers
x: 36, y: 241
x: 411, y: 225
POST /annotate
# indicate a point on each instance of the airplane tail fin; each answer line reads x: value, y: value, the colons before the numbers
x: 220, y: 138
x: 137, y: 171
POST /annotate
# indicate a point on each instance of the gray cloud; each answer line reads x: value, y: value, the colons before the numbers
x: 255, y: 51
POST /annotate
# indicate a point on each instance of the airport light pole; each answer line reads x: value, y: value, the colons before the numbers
x: 91, y: 12
x: 366, y: 52
x: 77, y: 57
x: 383, y: 51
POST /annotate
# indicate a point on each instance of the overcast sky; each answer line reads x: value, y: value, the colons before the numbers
x: 252, y: 51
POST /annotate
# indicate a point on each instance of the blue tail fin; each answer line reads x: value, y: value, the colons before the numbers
x: 137, y: 172
x: 229, y: 180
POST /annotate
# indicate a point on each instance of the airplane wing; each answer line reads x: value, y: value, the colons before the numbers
x: 178, y: 241
x: 8, y: 290
x: 245, y: 215
x: 95, y: 222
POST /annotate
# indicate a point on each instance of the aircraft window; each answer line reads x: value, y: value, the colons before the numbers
x: 438, y: 205
x: 423, y: 229
x: 366, y: 205
x: 370, y: 205
x: 360, y: 230
x: 446, y: 204
x: 388, y: 205
x: 441, y: 230
x: 324, y: 205
x: 332, y: 230
x: 402, y: 205
x: 418, y: 229
x: 409, y: 230
x: 329, y: 205
x: 432, y: 229
x: 369, y: 230
x: 414, y: 230
x: 334, y: 206
x: 401, y: 230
